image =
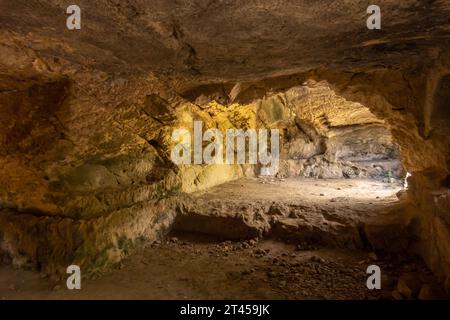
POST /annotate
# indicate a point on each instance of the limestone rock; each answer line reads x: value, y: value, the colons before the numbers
x: 86, y: 116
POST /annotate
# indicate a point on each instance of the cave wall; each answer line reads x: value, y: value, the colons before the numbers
x: 424, y: 145
x: 83, y: 179
x: 212, y: 114
x: 86, y: 171
x: 327, y: 136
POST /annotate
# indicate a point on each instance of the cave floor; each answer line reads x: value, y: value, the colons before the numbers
x: 328, y: 211
x: 192, y: 266
x: 356, y: 191
x: 203, y: 264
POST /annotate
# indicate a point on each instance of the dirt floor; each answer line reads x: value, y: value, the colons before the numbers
x: 198, y: 266
x: 194, y: 267
x: 356, y: 191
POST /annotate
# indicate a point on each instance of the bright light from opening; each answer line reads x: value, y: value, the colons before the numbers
x: 405, y: 183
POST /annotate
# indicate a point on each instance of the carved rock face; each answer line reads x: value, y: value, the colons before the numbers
x: 86, y: 115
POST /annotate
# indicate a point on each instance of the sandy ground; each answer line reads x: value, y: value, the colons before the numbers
x: 356, y: 191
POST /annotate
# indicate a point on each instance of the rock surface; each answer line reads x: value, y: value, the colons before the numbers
x: 199, y: 267
x: 364, y: 214
x: 86, y: 116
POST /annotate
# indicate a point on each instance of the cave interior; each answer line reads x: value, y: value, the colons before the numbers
x: 87, y: 175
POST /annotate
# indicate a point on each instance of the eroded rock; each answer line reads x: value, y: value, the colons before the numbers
x: 86, y: 116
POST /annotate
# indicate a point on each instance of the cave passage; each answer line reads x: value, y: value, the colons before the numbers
x: 352, y: 171
x: 338, y: 162
x: 334, y: 201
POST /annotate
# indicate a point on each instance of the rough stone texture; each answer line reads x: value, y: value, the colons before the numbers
x: 85, y: 115
x: 50, y: 243
x: 300, y: 211
x: 326, y: 136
